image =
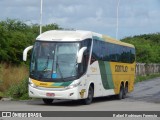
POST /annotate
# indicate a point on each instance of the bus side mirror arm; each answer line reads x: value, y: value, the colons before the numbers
x: 25, y: 52
x: 80, y: 54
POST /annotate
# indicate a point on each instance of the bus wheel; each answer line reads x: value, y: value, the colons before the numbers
x: 47, y: 101
x: 125, y: 90
x: 89, y: 99
x: 121, y: 94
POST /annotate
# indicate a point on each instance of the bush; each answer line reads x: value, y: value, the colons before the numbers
x: 19, y: 91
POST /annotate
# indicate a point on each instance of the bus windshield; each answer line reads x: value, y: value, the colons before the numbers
x: 54, y: 61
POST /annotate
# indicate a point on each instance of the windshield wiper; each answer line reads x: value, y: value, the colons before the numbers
x: 46, y: 66
x: 57, y: 66
x: 75, y: 68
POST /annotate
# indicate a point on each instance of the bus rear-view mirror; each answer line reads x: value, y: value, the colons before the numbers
x: 25, y: 52
x: 80, y: 54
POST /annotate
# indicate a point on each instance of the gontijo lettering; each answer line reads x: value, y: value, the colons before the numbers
x: 121, y: 68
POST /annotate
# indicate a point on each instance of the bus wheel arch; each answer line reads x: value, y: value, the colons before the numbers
x: 121, y: 94
x: 90, y: 95
x: 126, y: 88
x: 92, y: 85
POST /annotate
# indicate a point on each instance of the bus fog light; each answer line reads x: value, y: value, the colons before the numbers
x: 71, y: 94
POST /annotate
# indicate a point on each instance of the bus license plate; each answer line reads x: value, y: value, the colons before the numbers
x: 50, y: 94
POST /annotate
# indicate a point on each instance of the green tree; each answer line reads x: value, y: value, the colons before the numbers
x: 15, y: 36
x: 147, y: 47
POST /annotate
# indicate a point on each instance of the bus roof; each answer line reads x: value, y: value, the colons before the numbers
x: 112, y: 40
x: 64, y: 35
x: 76, y: 35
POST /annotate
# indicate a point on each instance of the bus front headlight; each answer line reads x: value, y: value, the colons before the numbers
x: 73, y: 85
x: 31, y: 84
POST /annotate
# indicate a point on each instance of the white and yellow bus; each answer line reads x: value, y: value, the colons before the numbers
x: 79, y: 65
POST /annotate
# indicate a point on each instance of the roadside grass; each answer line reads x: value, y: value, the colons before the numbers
x: 144, y: 78
x: 11, y: 78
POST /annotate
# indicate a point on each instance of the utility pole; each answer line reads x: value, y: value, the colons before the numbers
x: 41, y: 17
x: 117, y: 24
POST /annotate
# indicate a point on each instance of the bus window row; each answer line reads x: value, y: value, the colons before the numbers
x: 112, y: 52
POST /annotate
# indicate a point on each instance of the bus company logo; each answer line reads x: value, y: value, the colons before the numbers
x: 82, y: 93
x: 6, y: 114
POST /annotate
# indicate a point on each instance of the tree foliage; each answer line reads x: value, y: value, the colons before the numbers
x: 15, y: 36
x: 147, y: 47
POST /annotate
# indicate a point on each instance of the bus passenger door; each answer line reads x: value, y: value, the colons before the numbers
x: 93, y: 75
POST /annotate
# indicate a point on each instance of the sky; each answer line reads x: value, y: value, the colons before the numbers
x: 135, y: 17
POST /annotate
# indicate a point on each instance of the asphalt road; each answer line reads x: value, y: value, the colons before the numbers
x: 145, y: 97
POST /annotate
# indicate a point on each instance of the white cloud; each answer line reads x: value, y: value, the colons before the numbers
x: 135, y: 16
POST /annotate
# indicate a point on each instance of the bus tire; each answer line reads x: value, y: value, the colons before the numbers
x: 125, y: 90
x: 89, y: 98
x: 47, y: 101
x: 121, y: 94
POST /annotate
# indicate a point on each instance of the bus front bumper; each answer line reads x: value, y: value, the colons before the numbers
x: 71, y: 94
